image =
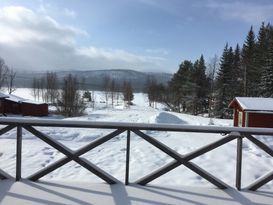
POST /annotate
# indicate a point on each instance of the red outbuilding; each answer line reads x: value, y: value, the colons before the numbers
x: 11, y: 104
x: 2, y: 98
x: 34, y: 109
x: 252, y: 112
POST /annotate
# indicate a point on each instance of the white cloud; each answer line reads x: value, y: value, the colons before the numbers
x: 70, y: 13
x: 158, y: 51
x: 32, y: 40
x: 117, y: 58
x: 242, y: 10
x: 20, y: 25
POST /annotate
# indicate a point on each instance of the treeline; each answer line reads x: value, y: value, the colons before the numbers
x: 198, y: 87
x: 7, y: 76
x: 70, y: 96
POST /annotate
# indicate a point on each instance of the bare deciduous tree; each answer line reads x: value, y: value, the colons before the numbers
x: 213, y: 67
x: 4, y: 69
x: 51, y: 92
x: 10, y: 80
x: 127, y: 91
x: 70, y: 103
x: 113, y: 91
x: 106, y: 88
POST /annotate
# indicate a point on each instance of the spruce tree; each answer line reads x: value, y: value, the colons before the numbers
x: 182, y: 87
x: 262, y: 46
x: 202, y: 86
x: 251, y: 72
x: 223, y: 82
x: 267, y: 76
x: 237, y: 74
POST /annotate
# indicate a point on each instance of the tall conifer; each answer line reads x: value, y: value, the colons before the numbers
x: 267, y: 76
x: 223, y: 82
x: 237, y: 73
x: 252, y: 74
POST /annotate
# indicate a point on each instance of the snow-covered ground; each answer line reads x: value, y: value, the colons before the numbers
x: 145, y: 158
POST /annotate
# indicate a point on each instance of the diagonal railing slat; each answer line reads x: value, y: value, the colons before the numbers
x: 172, y: 165
x: 79, y: 152
x: 267, y: 177
x: 6, y: 129
x: 50, y: 168
x: 4, y: 175
x: 158, y: 173
x: 178, y: 157
x: 69, y: 153
x: 261, y: 181
x: 260, y: 144
x: 211, y: 146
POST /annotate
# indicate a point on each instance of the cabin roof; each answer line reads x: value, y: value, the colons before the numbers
x: 15, y: 98
x: 253, y: 103
x: 2, y: 95
x: 18, y: 99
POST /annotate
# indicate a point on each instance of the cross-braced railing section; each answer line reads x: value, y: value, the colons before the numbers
x: 138, y: 129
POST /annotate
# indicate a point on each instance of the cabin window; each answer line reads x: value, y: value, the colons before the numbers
x: 240, y: 119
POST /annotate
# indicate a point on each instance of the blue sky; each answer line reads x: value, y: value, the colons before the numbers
x: 145, y: 35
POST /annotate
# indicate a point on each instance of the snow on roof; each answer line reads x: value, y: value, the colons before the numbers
x: 255, y: 103
x: 2, y: 95
x: 33, y: 102
x: 15, y: 98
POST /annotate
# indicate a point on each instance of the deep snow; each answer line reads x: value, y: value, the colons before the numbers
x: 144, y: 158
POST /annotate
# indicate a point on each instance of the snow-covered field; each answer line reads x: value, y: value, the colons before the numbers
x: 145, y: 158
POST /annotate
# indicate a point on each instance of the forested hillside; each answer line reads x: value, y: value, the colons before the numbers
x: 199, y: 87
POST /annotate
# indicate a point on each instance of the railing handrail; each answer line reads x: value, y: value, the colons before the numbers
x: 132, y: 126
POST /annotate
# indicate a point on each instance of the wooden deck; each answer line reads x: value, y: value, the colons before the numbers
x: 27, y: 192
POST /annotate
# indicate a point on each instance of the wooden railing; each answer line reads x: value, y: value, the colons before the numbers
x: 230, y: 134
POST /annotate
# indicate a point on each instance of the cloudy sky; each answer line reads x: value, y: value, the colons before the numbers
x: 145, y: 35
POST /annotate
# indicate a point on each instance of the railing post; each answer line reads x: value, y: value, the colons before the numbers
x: 19, y: 153
x: 239, y: 162
x: 127, y: 158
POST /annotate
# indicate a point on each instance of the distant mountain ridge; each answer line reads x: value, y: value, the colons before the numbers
x: 94, y: 79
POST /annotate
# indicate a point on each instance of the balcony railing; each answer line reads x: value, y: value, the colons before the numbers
x: 230, y: 134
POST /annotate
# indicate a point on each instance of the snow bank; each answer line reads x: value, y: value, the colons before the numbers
x: 167, y: 118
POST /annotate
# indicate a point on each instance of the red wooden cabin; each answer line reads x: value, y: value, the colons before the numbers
x: 2, y: 98
x: 16, y: 105
x: 34, y: 108
x: 252, y: 112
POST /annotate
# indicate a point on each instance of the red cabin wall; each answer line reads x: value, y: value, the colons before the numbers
x: 12, y: 107
x: 235, y: 118
x: 260, y: 120
x: 236, y: 110
x: 34, y: 109
x: 2, y: 106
